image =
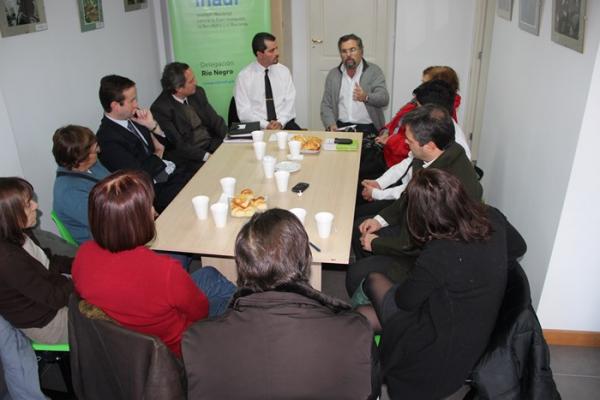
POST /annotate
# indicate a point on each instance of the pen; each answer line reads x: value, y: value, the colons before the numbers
x: 314, y: 246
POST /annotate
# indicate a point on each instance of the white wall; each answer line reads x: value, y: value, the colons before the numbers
x: 431, y: 32
x: 571, y: 297
x: 10, y: 165
x: 51, y: 78
x: 536, y: 95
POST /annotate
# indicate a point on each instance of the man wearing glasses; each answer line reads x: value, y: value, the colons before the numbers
x: 355, y: 92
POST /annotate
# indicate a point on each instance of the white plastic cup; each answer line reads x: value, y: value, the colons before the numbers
x: 257, y: 136
x: 282, y: 137
x: 269, y: 166
x: 219, y: 213
x: 324, y: 221
x: 300, y: 213
x: 200, y: 204
x: 259, y: 149
x: 295, y: 147
x: 282, y: 178
x: 228, y: 185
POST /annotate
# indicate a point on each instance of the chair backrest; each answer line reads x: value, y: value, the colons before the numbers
x: 516, y: 363
x: 62, y: 229
x: 232, y: 115
x: 109, y: 361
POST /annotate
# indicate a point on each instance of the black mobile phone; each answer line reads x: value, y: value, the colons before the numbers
x: 300, y: 187
x: 338, y: 140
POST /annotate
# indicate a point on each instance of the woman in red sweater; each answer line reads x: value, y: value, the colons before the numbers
x: 140, y: 289
x: 395, y: 148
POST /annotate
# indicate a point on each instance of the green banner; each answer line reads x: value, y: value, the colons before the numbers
x: 214, y: 37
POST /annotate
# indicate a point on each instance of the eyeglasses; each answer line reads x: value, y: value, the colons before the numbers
x: 349, y: 51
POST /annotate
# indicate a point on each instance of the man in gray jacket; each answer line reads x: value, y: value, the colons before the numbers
x: 355, y: 91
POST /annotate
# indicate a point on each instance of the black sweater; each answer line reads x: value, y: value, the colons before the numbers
x: 30, y: 294
x: 448, y: 309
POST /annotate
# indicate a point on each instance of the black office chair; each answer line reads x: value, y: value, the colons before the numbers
x: 516, y: 363
x: 109, y: 361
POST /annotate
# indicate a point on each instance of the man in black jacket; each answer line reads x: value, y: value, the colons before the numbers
x: 193, y: 128
x: 383, y: 243
x: 130, y: 138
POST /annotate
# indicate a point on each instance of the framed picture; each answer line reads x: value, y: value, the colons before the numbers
x: 90, y: 15
x: 504, y: 9
x: 22, y: 16
x: 568, y: 23
x: 529, y: 15
x: 132, y: 5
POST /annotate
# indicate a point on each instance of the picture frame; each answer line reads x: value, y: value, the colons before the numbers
x: 504, y: 9
x: 132, y: 5
x: 23, y: 16
x: 568, y: 23
x: 529, y: 16
x: 90, y: 15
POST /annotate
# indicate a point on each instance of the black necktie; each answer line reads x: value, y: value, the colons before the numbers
x: 271, y: 115
x: 138, y: 135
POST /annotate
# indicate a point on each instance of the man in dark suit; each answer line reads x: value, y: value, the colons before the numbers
x: 130, y: 138
x: 193, y: 128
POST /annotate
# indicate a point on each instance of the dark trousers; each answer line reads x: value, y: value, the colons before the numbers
x: 368, y: 130
x: 397, y: 268
x: 369, y: 209
x: 292, y: 126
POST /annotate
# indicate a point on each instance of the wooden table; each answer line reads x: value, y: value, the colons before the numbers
x: 332, y: 176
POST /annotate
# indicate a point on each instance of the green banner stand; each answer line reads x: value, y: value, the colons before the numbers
x: 214, y: 37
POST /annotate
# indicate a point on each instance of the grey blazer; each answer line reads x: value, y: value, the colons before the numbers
x: 373, y: 83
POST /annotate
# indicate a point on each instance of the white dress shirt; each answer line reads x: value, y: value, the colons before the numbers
x: 349, y: 109
x: 249, y: 93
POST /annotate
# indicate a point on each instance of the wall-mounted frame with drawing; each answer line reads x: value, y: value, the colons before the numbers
x: 132, y: 5
x: 504, y: 9
x: 568, y: 23
x: 529, y: 15
x: 22, y: 16
x: 90, y: 15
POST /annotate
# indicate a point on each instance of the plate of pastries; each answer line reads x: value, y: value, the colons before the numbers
x: 310, y: 144
x: 246, y: 203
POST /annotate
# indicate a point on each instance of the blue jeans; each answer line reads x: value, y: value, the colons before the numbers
x: 216, y: 287
x: 19, y: 364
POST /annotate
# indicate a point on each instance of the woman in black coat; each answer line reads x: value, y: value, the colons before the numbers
x: 437, y: 323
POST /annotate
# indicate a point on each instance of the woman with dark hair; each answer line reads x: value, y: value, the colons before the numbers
x: 140, y: 289
x: 76, y: 152
x: 33, y: 292
x: 280, y: 339
x: 437, y: 323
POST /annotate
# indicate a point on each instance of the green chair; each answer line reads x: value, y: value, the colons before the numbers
x: 62, y: 230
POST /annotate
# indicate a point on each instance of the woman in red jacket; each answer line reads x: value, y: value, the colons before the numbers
x: 395, y: 148
x: 140, y: 289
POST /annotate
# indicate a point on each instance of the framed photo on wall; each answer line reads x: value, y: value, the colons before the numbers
x: 504, y: 9
x: 90, y: 15
x: 132, y: 5
x: 22, y: 16
x: 529, y: 15
x: 568, y: 23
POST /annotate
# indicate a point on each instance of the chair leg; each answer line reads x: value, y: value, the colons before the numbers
x: 62, y: 359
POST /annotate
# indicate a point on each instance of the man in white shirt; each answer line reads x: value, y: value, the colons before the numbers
x: 264, y: 90
x: 355, y: 92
